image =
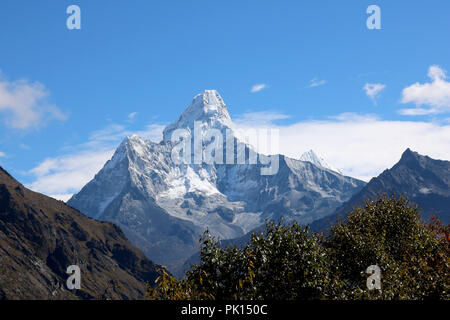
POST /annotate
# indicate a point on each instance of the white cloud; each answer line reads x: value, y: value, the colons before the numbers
x: 24, y: 105
x: 373, y: 90
x: 153, y: 132
x: 131, y: 116
x: 436, y: 73
x: 62, y: 197
x: 259, y: 117
x: 435, y: 94
x: 362, y: 146
x: 258, y: 87
x: 2, y: 154
x: 316, y: 83
x: 355, y: 117
x: 62, y: 176
x: 415, y: 111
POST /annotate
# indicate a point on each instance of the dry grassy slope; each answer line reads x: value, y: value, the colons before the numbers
x: 40, y: 237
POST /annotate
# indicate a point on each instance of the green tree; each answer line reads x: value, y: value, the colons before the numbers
x: 388, y: 232
x: 287, y: 261
x: 282, y: 262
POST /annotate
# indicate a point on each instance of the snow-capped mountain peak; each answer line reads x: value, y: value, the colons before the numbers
x: 135, y: 142
x: 312, y: 157
x: 130, y: 145
x: 164, y: 206
x: 131, y: 142
x: 208, y: 108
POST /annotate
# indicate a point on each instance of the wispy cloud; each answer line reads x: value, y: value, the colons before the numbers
x: 153, y: 132
x: 355, y: 117
x: 24, y: 105
x: 258, y: 87
x: 435, y: 94
x: 316, y: 83
x: 2, y: 154
x: 416, y: 111
x: 373, y: 90
x: 259, y: 118
x: 132, y: 116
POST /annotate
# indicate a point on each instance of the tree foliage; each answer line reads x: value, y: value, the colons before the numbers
x: 388, y: 232
x: 288, y: 262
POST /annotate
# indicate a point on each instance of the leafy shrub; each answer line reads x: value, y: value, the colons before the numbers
x: 388, y: 232
x: 287, y: 261
x: 283, y: 262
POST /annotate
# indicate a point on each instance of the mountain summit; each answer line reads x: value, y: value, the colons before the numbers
x: 423, y: 180
x: 312, y: 157
x: 164, y: 206
x: 208, y: 108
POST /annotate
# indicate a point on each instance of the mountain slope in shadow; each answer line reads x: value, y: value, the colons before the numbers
x: 40, y: 237
x: 419, y: 178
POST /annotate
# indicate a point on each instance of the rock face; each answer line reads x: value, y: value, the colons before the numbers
x: 163, y: 205
x: 422, y: 180
x: 40, y: 237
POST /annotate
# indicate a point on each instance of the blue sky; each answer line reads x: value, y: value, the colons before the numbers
x: 69, y: 96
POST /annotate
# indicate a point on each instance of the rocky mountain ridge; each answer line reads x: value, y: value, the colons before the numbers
x: 40, y: 237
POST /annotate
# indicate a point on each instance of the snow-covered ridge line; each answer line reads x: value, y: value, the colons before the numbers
x: 312, y: 157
